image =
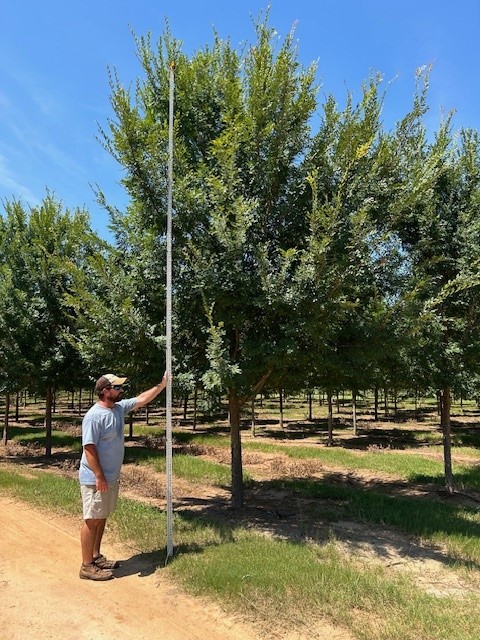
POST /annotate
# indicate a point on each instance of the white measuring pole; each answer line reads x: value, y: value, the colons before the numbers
x: 168, y: 444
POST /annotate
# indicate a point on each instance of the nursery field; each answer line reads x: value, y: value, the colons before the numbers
x: 354, y: 540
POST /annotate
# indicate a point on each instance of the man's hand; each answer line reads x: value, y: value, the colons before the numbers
x: 147, y: 396
x: 166, y: 378
x: 101, y: 483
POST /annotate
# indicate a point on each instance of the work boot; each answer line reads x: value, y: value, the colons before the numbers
x: 92, y: 572
x: 103, y: 563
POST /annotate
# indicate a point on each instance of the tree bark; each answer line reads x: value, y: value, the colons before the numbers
x: 6, y: 419
x: 253, y: 420
x: 195, y: 400
x: 48, y: 421
x: 354, y: 412
x: 330, y: 419
x: 234, y: 405
x: 447, y: 438
x: 281, y: 409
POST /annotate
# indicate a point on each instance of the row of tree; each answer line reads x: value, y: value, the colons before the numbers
x: 312, y: 248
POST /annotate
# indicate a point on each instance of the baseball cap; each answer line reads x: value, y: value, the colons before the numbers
x: 108, y: 380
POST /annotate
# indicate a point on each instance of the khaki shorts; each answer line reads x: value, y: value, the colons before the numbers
x: 98, y: 505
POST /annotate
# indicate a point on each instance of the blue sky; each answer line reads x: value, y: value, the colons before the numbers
x: 54, y: 56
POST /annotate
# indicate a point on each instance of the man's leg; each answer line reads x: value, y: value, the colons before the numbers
x: 96, y: 508
x: 98, y: 538
x: 91, y: 539
x: 91, y: 531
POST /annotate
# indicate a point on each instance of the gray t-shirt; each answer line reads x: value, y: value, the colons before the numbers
x: 104, y: 428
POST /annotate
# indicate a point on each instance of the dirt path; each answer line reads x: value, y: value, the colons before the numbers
x: 42, y: 596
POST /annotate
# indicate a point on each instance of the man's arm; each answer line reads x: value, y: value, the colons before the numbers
x: 147, y: 396
x: 93, y: 462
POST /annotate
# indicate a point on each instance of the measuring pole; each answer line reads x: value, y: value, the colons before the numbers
x: 168, y: 444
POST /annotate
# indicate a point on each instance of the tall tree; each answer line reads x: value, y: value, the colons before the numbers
x: 352, y: 262
x: 42, y: 249
x: 445, y: 256
x: 242, y: 123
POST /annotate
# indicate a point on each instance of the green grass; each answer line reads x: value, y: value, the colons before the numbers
x: 457, y: 528
x: 296, y: 583
x: 190, y: 467
x: 413, y: 467
x: 279, y: 582
x: 407, y: 466
x: 44, y: 490
x: 35, y: 436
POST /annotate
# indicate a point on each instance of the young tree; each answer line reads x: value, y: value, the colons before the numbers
x: 42, y: 250
x: 443, y: 246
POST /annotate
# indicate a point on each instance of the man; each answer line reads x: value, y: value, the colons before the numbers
x: 102, y: 458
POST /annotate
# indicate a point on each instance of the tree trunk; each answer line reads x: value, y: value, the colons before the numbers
x: 130, y: 425
x: 330, y: 419
x: 281, y: 409
x: 7, y: 415
x: 17, y: 407
x: 234, y: 405
x: 48, y: 421
x: 447, y: 439
x: 195, y: 399
x: 310, y: 407
x: 185, y: 406
x: 354, y: 412
x: 253, y: 417
x: 376, y: 403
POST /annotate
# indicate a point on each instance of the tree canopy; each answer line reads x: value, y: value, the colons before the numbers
x: 311, y: 247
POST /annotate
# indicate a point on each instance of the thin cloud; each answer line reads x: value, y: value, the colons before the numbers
x: 4, y: 102
x: 37, y: 143
x: 11, y: 184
